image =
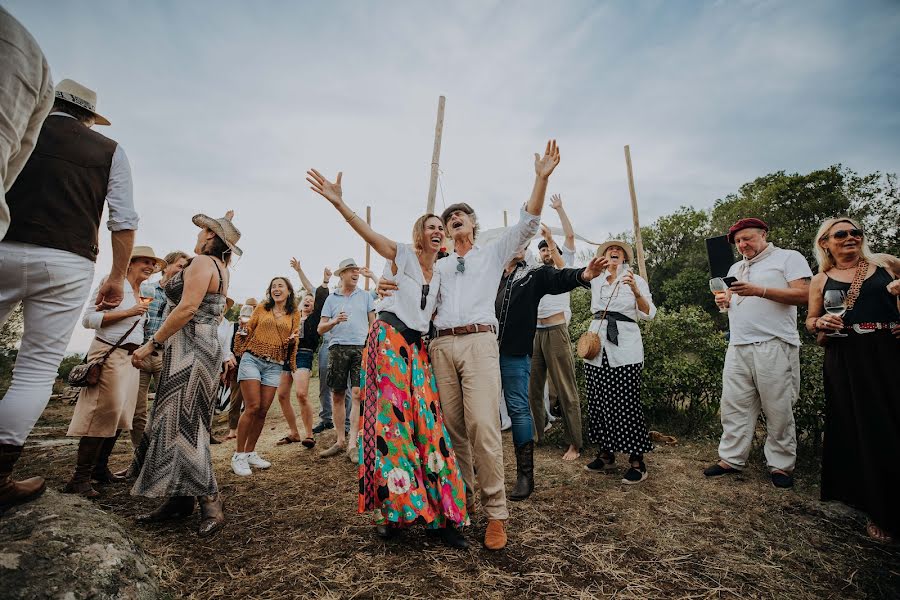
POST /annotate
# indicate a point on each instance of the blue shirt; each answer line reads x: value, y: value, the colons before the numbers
x: 156, y: 312
x: 357, y: 305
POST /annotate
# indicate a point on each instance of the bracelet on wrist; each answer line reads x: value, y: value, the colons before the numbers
x: 351, y: 217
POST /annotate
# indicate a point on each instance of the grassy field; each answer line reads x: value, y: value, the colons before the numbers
x: 293, y: 531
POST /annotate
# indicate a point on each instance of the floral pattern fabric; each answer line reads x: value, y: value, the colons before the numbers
x: 408, y: 471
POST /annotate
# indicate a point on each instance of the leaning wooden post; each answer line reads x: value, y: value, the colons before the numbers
x: 504, y: 219
x: 436, y: 155
x: 368, y: 247
x: 639, y: 244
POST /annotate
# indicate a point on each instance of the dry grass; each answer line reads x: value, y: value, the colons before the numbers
x: 293, y: 531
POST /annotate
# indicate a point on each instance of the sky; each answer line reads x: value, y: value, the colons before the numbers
x: 225, y: 105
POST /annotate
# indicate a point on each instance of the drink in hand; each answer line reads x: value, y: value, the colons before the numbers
x: 719, y: 290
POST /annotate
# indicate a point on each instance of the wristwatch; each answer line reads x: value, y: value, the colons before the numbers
x: 157, y: 345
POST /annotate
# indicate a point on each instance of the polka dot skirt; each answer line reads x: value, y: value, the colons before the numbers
x: 615, y: 415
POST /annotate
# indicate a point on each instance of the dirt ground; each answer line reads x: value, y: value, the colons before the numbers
x: 293, y: 531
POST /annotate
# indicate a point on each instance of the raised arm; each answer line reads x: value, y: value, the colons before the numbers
x: 304, y: 280
x: 569, y: 231
x: 543, y: 167
x: 333, y: 193
x: 555, y: 254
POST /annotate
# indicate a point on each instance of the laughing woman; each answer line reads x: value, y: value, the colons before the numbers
x: 408, y: 471
x: 265, y: 347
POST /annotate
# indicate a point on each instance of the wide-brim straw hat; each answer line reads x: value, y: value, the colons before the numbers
x: 629, y: 253
x: 223, y: 228
x: 147, y: 252
x: 347, y: 263
x: 86, y: 98
x: 229, y: 302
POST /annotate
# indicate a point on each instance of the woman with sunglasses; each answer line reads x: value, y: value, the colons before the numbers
x: 408, y: 470
x: 862, y: 415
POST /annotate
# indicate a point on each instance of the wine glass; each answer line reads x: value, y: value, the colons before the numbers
x: 244, y: 318
x: 835, y: 302
x: 718, y: 287
x: 147, y: 291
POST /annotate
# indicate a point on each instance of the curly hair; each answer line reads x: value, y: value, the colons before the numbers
x: 290, y: 305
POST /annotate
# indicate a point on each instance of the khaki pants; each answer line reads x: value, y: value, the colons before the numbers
x: 103, y: 408
x: 150, y: 368
x: 467, y: 370
x: 552, y: 355
x: 763, y: 376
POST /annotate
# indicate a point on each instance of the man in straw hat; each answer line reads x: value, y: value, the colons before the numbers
x: 25, y: 99
x: 47, y: 258
x: 762, y: 364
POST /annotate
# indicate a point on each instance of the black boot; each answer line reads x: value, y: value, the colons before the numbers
x: 15, y: 492
x: 88, y: 452
x: 101, y: 473
x: 175, y: 507
x: 524, y: 472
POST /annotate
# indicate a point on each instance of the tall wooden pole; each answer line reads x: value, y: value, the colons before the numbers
x: 436, y: 155
x: 504, y: 219
x: 368, y: 247
x: 639, y: 244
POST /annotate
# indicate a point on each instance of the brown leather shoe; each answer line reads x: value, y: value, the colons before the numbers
x: 212, y: 515
x: 174, y: 507
x: 89, y: 449
x: 16, y: 492
x: 495, y: 536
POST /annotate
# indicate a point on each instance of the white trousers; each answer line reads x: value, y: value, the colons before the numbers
x: 53, y: 286
x: 763, y: 376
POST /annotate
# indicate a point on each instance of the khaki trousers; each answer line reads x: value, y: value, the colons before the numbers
x: 763, y: 376
x: 103, y: 408
x: 552, y: 355
x: 467, y: 370
x: 150, y: 368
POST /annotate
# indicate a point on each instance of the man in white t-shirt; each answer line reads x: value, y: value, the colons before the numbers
x: 762, y: 365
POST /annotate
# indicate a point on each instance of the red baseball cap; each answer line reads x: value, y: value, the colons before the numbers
x: 746, y: 224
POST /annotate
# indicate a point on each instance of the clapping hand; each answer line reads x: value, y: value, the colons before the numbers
x: 556, y: 202
x: 328, y: 190
x: 543, y: 165
x: 295, y: 264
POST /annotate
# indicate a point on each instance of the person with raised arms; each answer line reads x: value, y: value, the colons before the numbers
x: 408, y: 470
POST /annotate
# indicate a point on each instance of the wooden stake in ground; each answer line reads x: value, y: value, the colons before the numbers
x: 504, y: 219
x: 436, y: 155
x: 639, y: 244
x: 368, y: 247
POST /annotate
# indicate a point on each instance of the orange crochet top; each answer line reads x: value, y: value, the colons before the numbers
x: 268, y: 337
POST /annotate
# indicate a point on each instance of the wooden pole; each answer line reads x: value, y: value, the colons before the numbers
x: 436, y: 155
x: 639, y: 244
x: 368, y: 247
x: 504, y: 219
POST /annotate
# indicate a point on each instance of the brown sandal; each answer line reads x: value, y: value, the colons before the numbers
x: 286, y: 440
x: 309, y: 442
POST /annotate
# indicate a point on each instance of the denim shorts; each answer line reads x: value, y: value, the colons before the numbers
x: 264, y: 371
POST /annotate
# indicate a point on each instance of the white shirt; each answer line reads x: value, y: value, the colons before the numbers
x: 406, y: 302
x: 468, y: 298
x: 225, y: 332
x: 630, y: 349
x: 119, y: 190
x: 553, y: 304
x: 755, y: 319
x: 93, y: 318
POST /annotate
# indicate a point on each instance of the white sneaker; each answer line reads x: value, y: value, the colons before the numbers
x: 239, y: 464
x: 255, y: 460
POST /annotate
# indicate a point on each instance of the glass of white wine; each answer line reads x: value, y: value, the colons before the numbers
x: 718, y: 287
x: 147, y: 292
x: 244, y: 318
x: 835, y: 302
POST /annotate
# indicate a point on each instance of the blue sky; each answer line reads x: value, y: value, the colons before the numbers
x: 225, y: 105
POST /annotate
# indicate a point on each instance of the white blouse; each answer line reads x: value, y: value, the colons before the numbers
x: 630, y: 349
x: 406, y: 301
x: 93, y: 318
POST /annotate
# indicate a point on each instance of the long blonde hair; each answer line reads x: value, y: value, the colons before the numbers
x: 824, y: 257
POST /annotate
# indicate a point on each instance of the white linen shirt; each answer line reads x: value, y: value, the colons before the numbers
x: 93, y: 318
x: 468, y: 298
x: 553, y: 304
x: 630, y: 349
x: 119, y: 190
x: 406, y: 301
x: 225, y: 332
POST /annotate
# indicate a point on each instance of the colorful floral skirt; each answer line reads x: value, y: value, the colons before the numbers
x: 407, y: 468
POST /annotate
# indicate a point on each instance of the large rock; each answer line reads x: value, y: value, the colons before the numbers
x: 62, y: 547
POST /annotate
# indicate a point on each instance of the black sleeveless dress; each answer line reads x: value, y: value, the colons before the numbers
x: 861, y: 451
x: 173, y: 458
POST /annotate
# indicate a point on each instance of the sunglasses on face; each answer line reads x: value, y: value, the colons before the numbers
x: 425, y: 289
x: 839, y: 235
x: 460, y: 264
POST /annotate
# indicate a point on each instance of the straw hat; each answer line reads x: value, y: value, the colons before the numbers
x: 229, y: 302
x: 347, y: 263
x: 223, y: 228
x: 251, y: 301
x: 629, y: 253
x: 147, y: 252
x: 77, y: 94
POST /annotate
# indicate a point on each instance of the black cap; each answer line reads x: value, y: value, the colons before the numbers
x: 543, y: 244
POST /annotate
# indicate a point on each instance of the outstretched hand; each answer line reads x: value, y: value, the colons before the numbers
x: 546, y: 233
x: 328, y: 190
x: 556, y: 202
x: 544, y: 165
x: 295, y: 264
x: 594, y: 268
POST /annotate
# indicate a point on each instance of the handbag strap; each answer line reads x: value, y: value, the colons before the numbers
x: 611, y: 294
x: 853, y: 293
x: 119, y: 343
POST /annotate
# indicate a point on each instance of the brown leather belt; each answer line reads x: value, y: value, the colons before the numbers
x: 467, y: 329
x: 130, y: 347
